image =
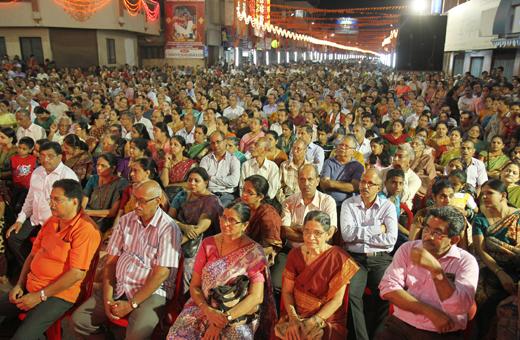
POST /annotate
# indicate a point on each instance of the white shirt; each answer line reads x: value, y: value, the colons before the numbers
x: 233, y: 113
x: 276, y: 127
x: 188, y: 136
x: 269, y: 171
x: 477, y: 174
x: 148, y: 124
x: 412, y: 121
x: 34, y: 131
x: 57, y: 110
x: 224, y: 176
x: 364, y: 148
x: 36, y: 206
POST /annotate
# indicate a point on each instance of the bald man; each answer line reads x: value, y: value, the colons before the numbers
x: 260, y: 165
x: 140, y: 270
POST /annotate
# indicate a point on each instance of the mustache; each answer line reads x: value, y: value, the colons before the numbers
x: 308, y: 187
x: 365, y: 190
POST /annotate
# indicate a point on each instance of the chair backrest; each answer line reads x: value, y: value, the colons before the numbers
x: 92, y: 271
x: 173, y: 308
x: 408, y: 213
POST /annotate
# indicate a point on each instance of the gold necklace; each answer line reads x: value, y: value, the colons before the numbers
x: 222, y: 244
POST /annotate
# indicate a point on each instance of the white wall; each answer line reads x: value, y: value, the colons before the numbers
x: 488, y: 58
x: 12, y: 40
x: 124, y: 52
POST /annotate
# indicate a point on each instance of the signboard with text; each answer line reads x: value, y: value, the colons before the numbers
x: 185, y: 28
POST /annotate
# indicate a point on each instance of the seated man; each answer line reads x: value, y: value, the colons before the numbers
x: 260, y: 165
x: 289, y: 170
x: 140, y: 270
x: 54, y: 274
x: 294, y: 210
x: 315, y: 153
x: 369, y: 231
x: 430, y: 282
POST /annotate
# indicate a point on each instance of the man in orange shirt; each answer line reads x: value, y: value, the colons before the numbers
x: 55, y: 273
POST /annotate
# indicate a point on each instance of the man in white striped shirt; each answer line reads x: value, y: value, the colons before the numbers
x: 140, y: 270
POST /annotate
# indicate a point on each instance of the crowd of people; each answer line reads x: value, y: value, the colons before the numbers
x: 304, y: 189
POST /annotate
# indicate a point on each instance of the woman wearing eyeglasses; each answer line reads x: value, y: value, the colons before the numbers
x: 221, y: 258
x: 265, y: 222
x: 495, y: 235
x: 315, y: 281
x: 196, y: 211
x: 102, y: 194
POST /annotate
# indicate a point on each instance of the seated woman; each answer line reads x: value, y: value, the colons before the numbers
x: 249, y: 138
x: 139, y: 130
x: 379, y: 158
x: 265, y: 223
x: 108, y: 145
x: 286, y: 140
x: 99, y: 127
x: 8, y: 146
x: 43, y: 117
x: 161, y: 144
x: 7, y: 119
x: 7, y: 219
x: 494, y: 159
x: 422, y: 164
x: 176, y: 124
x: 196, y: 212
x: 220, y: 260
x: 446, y: 153
x: 113, y: 117
x: 315, y: 281
x: 511, y: 177
x: 81, y: 130
x: 495, y: 235
x: 440, y: 138
x: 175, y: 166
x: 397, y: 137
x: 138, y: 149
x: 76, y: 156
x: 102, y: 194
x: 422, y: 123
x: 143, y: 169
x: 200, y: 147
x: 274, y: 154
x: 189, y: 108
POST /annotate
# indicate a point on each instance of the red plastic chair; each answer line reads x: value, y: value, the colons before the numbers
x: 172, y: 310
x: 408, y: 213
x: 54, y: 331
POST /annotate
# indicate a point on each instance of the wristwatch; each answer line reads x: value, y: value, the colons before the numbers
x: 229, y: 317
x: 43, y: 296
x: 133, y: 303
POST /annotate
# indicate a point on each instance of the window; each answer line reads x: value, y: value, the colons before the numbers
x: 3, y: 50
x: 111, y: 51
x: 152, y: 52
x: 32, y: 45
x: 476, y: 66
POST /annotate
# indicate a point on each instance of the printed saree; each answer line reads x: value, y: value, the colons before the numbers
x: 248, y: 260
x: 315, y: 285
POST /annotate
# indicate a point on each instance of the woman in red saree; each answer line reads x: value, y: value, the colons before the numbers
x: 397, y: 137
x: 315, y: 280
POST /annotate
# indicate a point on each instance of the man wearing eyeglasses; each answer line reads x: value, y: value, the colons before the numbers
x: 54, y: 275
x: 431, y: 282
x: 223, y: 169
x: 369, y: 232
x: 140, y: 270
x: 36, y: 210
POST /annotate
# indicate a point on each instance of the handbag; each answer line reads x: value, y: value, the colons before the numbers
x: 190, y: 248
x: 226, y: 297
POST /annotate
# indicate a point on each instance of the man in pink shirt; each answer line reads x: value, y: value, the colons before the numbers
x: 431, y: 282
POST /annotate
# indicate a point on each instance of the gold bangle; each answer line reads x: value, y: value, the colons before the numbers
x: 322, y: 318
x: 200, y: 304
x: 497, y: 270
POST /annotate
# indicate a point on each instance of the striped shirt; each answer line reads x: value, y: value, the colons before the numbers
x: 140, y: 249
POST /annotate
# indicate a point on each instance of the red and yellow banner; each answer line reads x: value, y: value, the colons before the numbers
x: 185, y: 28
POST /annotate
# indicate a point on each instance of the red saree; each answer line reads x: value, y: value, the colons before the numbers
x: 315, y: 285
x: 264, y: 228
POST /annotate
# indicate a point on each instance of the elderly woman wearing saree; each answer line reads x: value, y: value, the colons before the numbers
x: 494, y: 159
x: 201, y: 147
x: 99, y: 127
x: 495, y: 235
x: 315, y: 281
x: 8, y: 144
x: 196, y: 212
x: 446, y: 153
x: 102, y: 194
x: 220, y: 260
x: 175, y: 166
x: 511, y: 177
x: 249, y: 138
x: 422, y: 164
x: 76, y: 156
x: 397, y: 137
x: 265, y: 223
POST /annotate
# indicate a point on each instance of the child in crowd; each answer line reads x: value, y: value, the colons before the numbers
x: 323, y: 140
x: 22, y: 166
x: 462, y: 200
x: 394, y: 183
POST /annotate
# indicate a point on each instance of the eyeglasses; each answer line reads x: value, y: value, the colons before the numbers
x: 142, y: 201
x: 248, y: 193
x: 230, y: 221
x: 49, y: 157
x: 436, y: 234
x: 52, y: 200
x: 316, y: 234
x: 217, y: 142
x: 368, y: 184
x: 345, y: 146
